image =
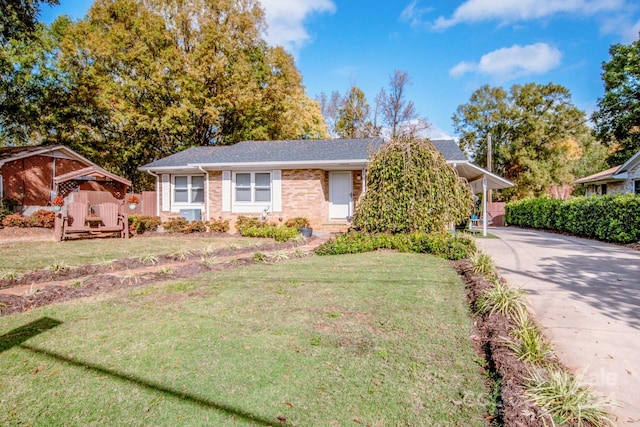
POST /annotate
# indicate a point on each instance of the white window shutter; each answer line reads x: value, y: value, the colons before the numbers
x: 226, y: 191
x: 276, y: 196
x: 166, y: 193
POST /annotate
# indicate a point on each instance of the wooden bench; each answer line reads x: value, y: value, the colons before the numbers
x: 101, y: 220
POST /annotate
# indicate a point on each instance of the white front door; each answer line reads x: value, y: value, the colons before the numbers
x: 340, y: 195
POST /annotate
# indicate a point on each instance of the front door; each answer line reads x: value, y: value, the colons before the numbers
x: 340, y: 195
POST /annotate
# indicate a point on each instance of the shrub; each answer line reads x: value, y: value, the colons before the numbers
x: 195, y: 227
x: 42, y: 218
x: 15, y: 220
x: 244, y: 222
x: 297, y: 222
x: 176, y: 225
x: 441, y: 244
x: 608, y: 218
x: 411, y: 188
x: 279, y: 233
x: 219, y: 226
x: 143, y: 223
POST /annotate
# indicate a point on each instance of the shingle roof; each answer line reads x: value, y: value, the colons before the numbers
x: 290, y: 151
x: 450, y: 150
x: 9, y: 152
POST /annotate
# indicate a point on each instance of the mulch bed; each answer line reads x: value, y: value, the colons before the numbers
x: 508, y: 371
x: 88, y: 280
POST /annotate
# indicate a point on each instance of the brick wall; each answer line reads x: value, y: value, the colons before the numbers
x: 305, y: 192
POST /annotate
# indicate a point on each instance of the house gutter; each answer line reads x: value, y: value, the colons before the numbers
x: 157, y: 192
x: 206, y: 191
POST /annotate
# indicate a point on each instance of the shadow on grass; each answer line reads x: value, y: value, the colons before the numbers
x: 23, y: 333
x: 141, y: 382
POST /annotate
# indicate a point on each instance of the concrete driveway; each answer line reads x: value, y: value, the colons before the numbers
x: 585, y: 295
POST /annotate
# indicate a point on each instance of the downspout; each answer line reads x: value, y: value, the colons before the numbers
x: 157, y: 191
x: 206, y: 192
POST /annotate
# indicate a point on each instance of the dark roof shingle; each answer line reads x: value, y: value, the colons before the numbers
x: 289, y: 151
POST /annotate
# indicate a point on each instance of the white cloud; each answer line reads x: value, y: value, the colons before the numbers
x: 413, y: 14
x: 286, y: 20
x: 509, y: 11
x: 462, y: 68
x: 632, y: 34
x: 511, y: 62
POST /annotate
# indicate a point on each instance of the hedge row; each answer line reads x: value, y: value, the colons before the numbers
x: 608, y: 218
x: 444, y: 245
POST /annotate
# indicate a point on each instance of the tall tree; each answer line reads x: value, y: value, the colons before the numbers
x: 354, y: 116
x: 34, y: 94
x: 538, y: 135
x: 18, y: 18
x: 618, y: 116
x: 398, y: 113
x: 162, y: 75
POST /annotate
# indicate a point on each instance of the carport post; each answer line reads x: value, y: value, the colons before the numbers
x: 484, y: 206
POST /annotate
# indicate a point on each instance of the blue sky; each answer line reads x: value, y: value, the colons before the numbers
x: 449, y: 48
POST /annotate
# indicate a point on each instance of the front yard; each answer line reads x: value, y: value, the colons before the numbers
x: 373, y: 339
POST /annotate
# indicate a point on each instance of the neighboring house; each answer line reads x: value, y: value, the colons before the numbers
x: 317, y: 179
x: 617, y: 180
x: 31, y: 176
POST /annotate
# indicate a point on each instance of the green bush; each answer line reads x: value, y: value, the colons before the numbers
x: 279, y: 233
x: 609, y: 218
x: 410, y: 187
x: 42, y: 218
x: 444, y: 245
x: 143, y: 223
x: 244, y: 222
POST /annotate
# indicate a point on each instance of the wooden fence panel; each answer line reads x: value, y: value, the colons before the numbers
x: 149, y: 203
x: 496, y: 210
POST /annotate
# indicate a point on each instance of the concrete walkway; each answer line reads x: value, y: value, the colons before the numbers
x: 585, y: 295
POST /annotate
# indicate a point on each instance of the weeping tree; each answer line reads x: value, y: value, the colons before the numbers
x: 411, y: 188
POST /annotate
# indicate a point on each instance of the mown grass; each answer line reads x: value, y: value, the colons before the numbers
x: 26, y: 256
x: 369, y: 339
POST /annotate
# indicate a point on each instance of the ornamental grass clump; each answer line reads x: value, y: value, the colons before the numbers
x: 411, y: 188
x: 565, y: 401
x: 502, y: 299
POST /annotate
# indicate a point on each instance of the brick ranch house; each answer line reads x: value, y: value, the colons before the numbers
x: 318, y: 179
x: 32, y: 176
x: 617, y: 180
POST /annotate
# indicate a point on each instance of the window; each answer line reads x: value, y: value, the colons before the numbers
x: 253, y: 187
x: 188, y: 189
x: 636, y: 186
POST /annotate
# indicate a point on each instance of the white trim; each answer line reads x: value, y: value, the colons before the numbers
x: 253, y: 206
x: 276, y: 190
x: 1, y: 189
x: 226, y: 191
x: 206, y: 195
x: 166, y: 192
x: 307, y: 164
x: 176, y: 206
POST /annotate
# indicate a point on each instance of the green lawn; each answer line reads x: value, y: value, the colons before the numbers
x: 23, y: 256
x: 370, y: 339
